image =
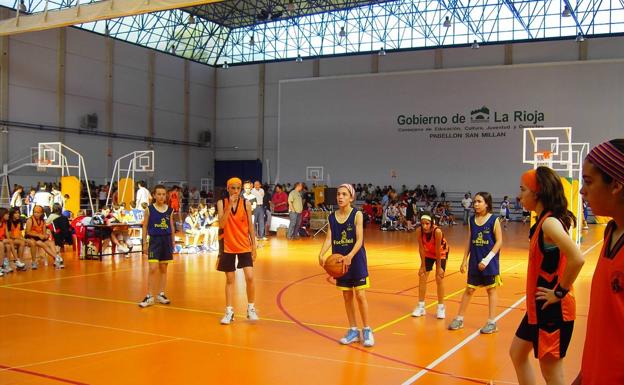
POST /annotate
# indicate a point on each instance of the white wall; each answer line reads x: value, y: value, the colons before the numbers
x: 238, y: 90
x: 353, y: 125
x: 33, y: 74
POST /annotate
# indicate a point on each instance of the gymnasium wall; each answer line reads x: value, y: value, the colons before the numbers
x: 358, y: 99
x: 34, y: 93
x: 421, y: 127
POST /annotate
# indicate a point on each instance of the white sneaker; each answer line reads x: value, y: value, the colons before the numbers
x: 58, y: 262
x: 122, y: 249
x: 7, y: 266
x: 252, y: 315
x: 441, y: 313
x: 227, y: 318
x: 1, y: 273
x: 353, y: 335
x: 20, y: 265
x: 419, y: 311
x: 367, y: 335
x: 162, y: 298
x: 147, y: 301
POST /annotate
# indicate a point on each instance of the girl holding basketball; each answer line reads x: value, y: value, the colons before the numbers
x: 345, y: 235
x: 433, y: 250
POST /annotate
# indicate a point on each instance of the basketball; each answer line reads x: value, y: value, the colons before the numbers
x: 333, y: 265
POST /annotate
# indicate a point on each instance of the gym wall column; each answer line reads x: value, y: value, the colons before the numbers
x: 151, y: 63
x: 261, y: 112
x: 508, y: 54
x: 582, y: 50
x: 4, y: 91
x: 110, y: 54
x: 213, y: 141
x: 187, y: 120
x: 61, y: 70
x: 438, y: 58
x: 375, y: 64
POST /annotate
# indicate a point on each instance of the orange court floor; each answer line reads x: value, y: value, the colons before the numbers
x: 82, y: 325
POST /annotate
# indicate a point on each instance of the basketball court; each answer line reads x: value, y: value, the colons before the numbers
x: 82, y: 325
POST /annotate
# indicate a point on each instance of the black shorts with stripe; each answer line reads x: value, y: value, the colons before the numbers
x: 548, y: 337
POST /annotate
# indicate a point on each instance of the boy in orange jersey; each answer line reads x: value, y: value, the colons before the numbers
x: 239, y: 243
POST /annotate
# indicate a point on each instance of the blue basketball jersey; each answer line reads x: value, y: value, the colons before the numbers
x: 158, y: 223
x: 482, y: 241
x: 343, y: 240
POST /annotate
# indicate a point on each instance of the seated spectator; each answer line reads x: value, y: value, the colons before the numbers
x: 449, y: 214
x: 279, y: 200
x: 305, y: 220
x: 212, y: 223
x: 116, y: 234
x: 377, y: 211
x: 440, y: 214
x: 367, y: 210
x: 433, y: 194
x: 61, y: 228
x: 191, y: 227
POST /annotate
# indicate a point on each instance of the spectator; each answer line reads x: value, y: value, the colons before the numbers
x: 295, y: 208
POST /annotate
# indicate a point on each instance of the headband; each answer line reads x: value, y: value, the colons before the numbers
x: 349, y: 188
x: 608, y: 159
x: 426, y: 217
x: 529, y: 179
x: 234, y: 180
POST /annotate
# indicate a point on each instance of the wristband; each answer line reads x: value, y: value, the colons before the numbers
x: 560, y: 292
x: 488, y: 258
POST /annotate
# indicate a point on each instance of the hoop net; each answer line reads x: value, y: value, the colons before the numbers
x: 42, y: 165
x: 543, y: 158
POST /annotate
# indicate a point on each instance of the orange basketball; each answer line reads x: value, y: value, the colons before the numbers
x: 333, y: 265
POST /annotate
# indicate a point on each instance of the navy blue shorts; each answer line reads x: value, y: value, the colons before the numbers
x: 160, y: 249
x: 348, y: 284
x: 484, y: 281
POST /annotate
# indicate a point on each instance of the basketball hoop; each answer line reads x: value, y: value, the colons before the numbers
x: 42, y: 165
x: 543, y: 158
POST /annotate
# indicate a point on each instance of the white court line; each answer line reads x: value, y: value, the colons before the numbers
x: 454, y: 349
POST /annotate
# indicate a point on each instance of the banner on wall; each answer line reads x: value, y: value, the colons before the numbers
x: 459, y: 129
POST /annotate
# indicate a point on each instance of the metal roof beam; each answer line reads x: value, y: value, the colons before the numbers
x: 87, y: 13
x: 514, y: 11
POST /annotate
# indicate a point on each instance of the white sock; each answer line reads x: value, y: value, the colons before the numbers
x: 421, y: 303
x: 440, y: 306
x: 229, y: 309
x: 354, y: 328
x: 251, y: 305
x: 491, y: 321
x: 459, y: 318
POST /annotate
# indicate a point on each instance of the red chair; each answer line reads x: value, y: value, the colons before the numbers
x: 85, y: 235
